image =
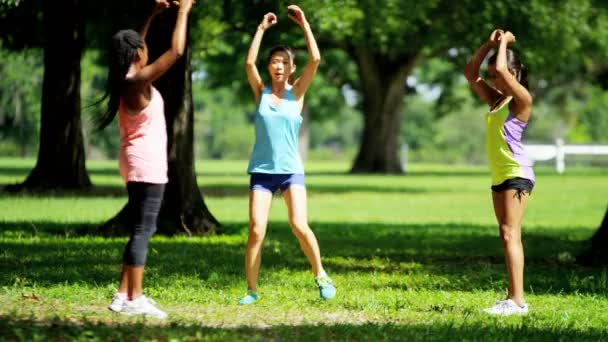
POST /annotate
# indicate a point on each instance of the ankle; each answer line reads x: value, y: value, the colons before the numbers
x: 134, y: 296
x: 321, y: 274
x: 519, y: 301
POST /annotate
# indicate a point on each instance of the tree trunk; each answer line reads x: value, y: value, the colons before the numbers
x: 183, y: 209
x: 20, y: 121
x: 61, y: 156
x: 383, y: 88
x: 596, y: 254
x: 304, y: 134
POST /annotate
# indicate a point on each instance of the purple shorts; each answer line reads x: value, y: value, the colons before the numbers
x: 272, y: 182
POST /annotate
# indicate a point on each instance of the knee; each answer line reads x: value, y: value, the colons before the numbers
x: 151, y: 231
x: 509, y: 233
x: 144, y: 232
x: 300, y: 228
x: 257, y: 232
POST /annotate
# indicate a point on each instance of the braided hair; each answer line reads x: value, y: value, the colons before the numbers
x: 124, y: 46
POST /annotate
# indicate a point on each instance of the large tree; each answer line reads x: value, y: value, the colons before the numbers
x: 183, y: 209
x: 386, y: 40
x: 61, y: 158
x: 61, y: 155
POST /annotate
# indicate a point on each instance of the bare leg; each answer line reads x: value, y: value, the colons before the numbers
x: 295, y: 198
x: 259, y: 208
x: 124, y: 280
x: 509, y: 211
x: 136, y: 280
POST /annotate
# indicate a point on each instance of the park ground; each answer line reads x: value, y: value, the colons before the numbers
x: 413, y: 257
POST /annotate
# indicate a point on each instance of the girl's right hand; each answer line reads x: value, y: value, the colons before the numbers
x: 270, y: 19
x: 185, y: 5
x: 495, y: 37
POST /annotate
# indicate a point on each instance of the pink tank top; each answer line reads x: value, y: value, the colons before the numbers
x: 143, y: 143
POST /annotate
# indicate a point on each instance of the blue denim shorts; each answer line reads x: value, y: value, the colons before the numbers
x: 273, y: 182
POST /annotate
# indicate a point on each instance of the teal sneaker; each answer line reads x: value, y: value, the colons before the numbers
x: 250, y: 298
x: 326, y: 287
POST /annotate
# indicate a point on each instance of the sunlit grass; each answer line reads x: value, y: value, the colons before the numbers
x: 413, y: 257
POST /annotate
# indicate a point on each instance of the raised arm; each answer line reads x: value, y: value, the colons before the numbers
x: 253, y: 76
x: 303, y: 82
x: 486, y: 93
x: 153, y: 71
x: 161, y: 5
x: 521, y: 95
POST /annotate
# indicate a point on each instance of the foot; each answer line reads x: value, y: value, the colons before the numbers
x: 506, y: 308
x: 118, y: 302
x: 250, y: 298
x: 143, y: 306
x: 326, y: 287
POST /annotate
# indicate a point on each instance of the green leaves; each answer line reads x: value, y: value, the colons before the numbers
x: 9, y: 3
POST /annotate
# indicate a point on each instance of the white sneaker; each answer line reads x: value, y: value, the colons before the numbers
x: 143, y: 306
x: 506, y: 308
x: 118, y: 302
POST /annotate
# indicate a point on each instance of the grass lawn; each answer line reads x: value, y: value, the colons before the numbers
x: 413, y: 258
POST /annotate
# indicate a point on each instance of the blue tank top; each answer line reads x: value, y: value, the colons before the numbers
x: 276, y: 136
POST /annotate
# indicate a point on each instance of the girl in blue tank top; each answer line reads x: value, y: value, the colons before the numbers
x: 510, y: 107
x: 275, y: 161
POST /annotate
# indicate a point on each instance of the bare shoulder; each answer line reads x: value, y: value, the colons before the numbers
x: 522, y: 110
x: 136, y: 95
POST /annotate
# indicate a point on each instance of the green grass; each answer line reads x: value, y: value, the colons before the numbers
x: 413, y: 258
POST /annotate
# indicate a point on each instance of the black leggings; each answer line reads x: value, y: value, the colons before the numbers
x: 143, y: 207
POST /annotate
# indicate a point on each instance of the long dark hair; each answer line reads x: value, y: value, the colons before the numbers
x: 515, y: 66
x: 290, y: 53
x: 123, y: 48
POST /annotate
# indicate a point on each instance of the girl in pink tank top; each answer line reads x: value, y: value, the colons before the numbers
x: 143, y: 146
x: 143, y: 142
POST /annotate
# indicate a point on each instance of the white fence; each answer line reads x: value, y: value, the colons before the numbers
x: 560, y: 150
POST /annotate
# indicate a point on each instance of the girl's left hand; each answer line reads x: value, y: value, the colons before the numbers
x: 298, y: 16
x: 508, y: 37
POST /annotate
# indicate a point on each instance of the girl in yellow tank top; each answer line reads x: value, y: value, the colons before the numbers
x: 510, y: 105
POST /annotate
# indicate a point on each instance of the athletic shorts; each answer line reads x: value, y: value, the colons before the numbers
x: 273, y: 182
x: 520, y: 184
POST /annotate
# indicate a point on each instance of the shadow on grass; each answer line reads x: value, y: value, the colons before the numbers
x: 62, y: 330
x: 462, y: 257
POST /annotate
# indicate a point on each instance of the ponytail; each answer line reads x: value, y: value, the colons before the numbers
x: 515, y: 66
x: 123, y: 48
x: 523, y: 76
